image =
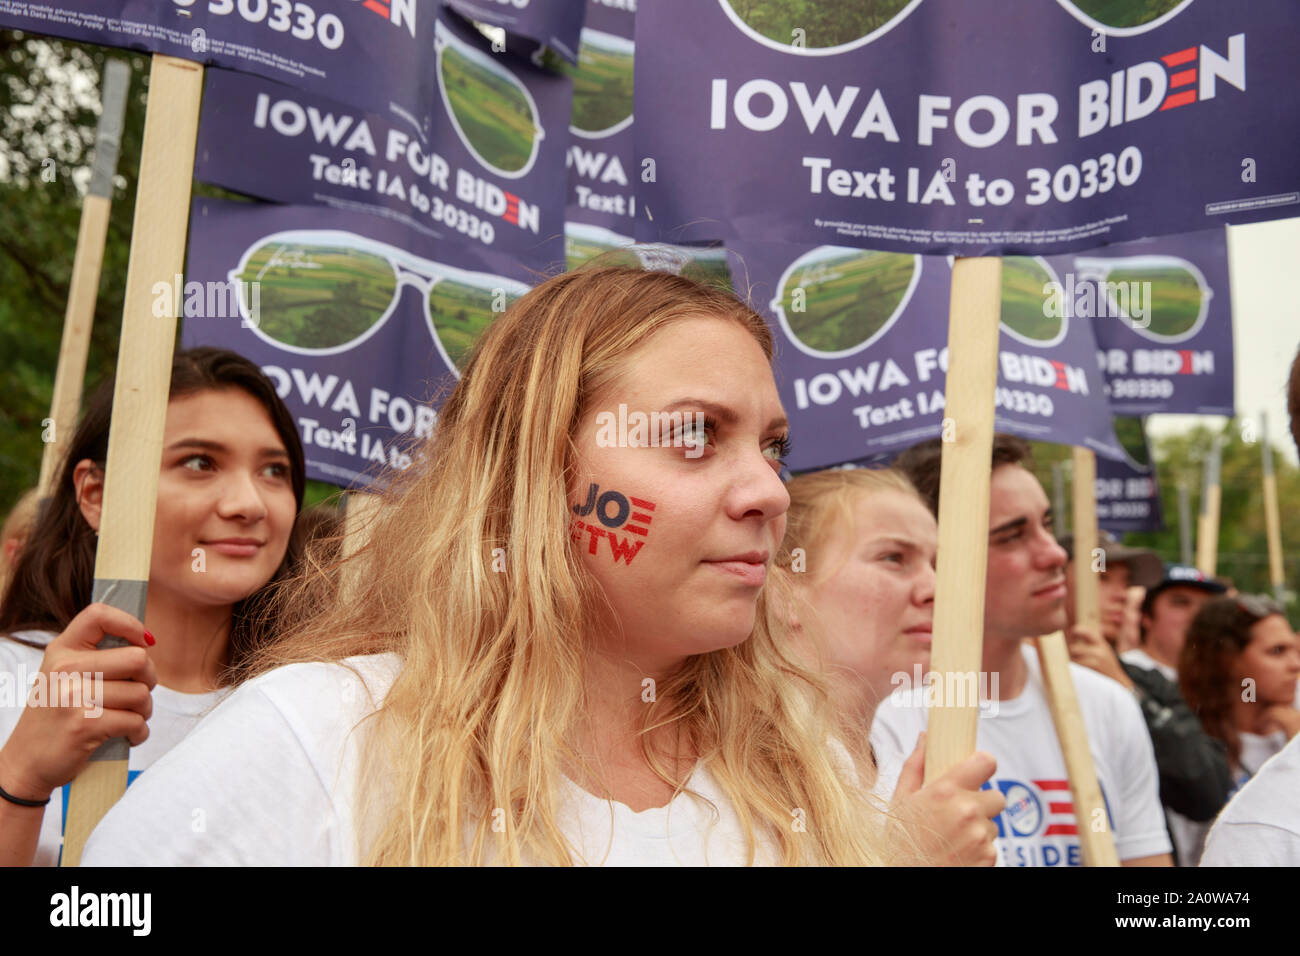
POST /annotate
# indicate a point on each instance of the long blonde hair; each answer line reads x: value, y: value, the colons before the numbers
x: 492, y: 678
x: 822, y: 500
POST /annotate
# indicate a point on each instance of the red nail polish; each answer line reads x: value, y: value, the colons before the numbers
x: 149, y: 639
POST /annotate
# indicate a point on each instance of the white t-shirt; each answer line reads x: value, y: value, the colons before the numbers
x: 1189, y: 836
x: 1039, y: 827
x: 174, y: 715
x: 270, y: 778
x: 1140, y: 658
x: 1260, y: 826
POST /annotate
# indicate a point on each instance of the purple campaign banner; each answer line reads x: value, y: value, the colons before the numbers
x: 862, y: 355
x: 1163, y: 320
x: 371, y: 54
x: 552, y: 23
x: 965, y: 127
x: 1127, y: 496
x: 486, y: 168
x: 602, y: 164
x: 601, y: 161
x: 361, y: 322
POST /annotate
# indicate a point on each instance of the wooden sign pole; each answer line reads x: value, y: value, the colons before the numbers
x: 1058, y: 497
x: 140, y: 399
x: 974, y: 313
x: 1207, y: 543
x: 1095, y: 841
x: 1184, y: 526
x: 1087, y: 592
x: 86, y: 264
x: 1200, y: 509
x: 1272, y: 517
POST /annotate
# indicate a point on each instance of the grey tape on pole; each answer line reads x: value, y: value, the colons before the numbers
x: 108, y: 137
x: 1216, y: 461
x: 126, y: 596
x: 1206, y: 466
x: 1268, y: 449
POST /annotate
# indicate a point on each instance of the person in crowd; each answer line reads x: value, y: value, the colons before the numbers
x: 565, y: 650
x: 230, y: 485
x: 1261, y: 825
x: 1167, y: 610
x: 1194, y: 777
x: 1025, y: 597
x: 1118, y: 569
x: 1238, y: 671
x: 17, y: 527
x: 860, y: 551
x: 1130, y: 632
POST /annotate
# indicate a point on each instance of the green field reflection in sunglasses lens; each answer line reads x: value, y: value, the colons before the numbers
x: 1125, y: 13
x: 460, y: 312
x: 835, y: 303
x: 817, y: 24
x: 704, y: 264
x: 710, y: 271
x: 1174, y: 301
x: 1023, y: 280
x: 578, y: 249
x: 492, y: 111
x: 602, y: 81
x: 319, y: 296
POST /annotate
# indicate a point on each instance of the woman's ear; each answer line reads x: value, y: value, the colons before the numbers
x: 88, y: 479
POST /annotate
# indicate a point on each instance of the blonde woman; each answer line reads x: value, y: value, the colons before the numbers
x: 563, y: 651
x: 859, y: 550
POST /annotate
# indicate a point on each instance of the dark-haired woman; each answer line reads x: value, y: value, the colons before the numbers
x: 230, y: 487
x: 1238, y: 671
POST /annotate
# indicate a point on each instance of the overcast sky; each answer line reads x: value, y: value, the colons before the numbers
x: 1265, y: 265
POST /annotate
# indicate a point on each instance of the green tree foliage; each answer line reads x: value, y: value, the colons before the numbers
x: 49, y: 104
x: 1243, y: 542
x: 49, y: 107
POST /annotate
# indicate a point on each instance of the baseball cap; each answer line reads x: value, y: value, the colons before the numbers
x: 1145, y: 567
x: 1182, y: 575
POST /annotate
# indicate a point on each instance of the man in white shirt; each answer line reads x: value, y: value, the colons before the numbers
x: 1025, y: 597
